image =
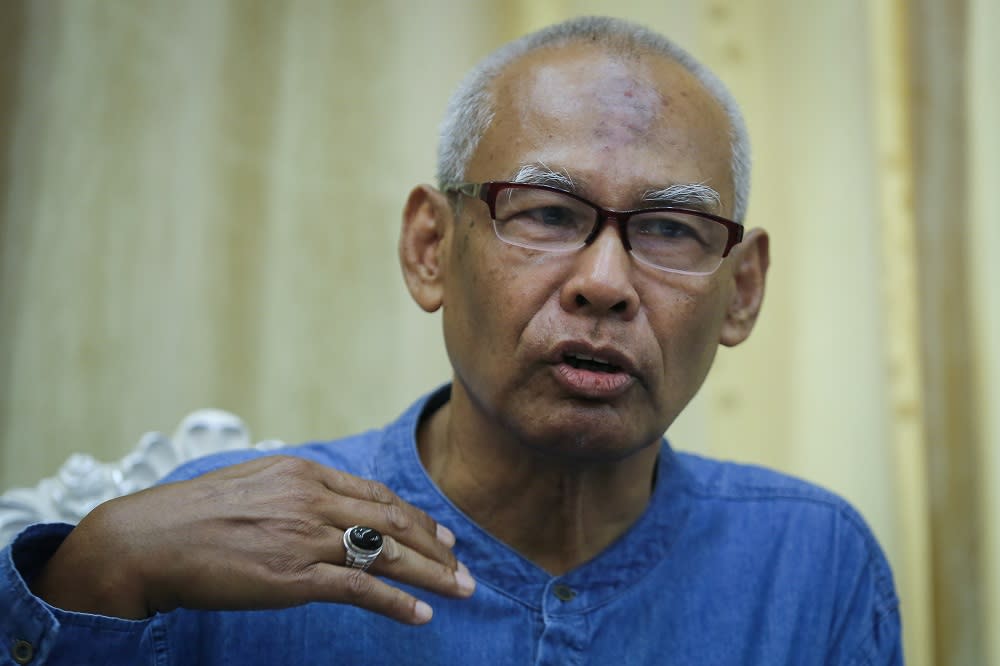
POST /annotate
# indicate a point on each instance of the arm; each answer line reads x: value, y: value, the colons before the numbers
x: 868, y: 630
x: 36, y: 633
x: 262, y: 534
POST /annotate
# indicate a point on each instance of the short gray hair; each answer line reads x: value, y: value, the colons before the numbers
x: 470, y: 110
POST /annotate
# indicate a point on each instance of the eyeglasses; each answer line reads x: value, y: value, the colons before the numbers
x: 539, y: 217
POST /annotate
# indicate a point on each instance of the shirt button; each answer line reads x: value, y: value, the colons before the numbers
x: 564, y: 592
x: 22, y: 652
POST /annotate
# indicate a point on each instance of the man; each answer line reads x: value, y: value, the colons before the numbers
x: 582, y: 251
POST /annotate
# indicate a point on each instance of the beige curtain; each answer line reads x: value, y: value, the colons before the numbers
x: 200, y: 202
x: 981, y: 240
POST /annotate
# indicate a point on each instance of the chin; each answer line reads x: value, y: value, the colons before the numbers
x: 581, y: 429
x: 585, y: 440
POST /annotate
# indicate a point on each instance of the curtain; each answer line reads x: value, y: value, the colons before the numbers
x: 199, y: 204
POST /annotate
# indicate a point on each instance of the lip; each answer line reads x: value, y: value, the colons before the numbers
x: 592, y: 384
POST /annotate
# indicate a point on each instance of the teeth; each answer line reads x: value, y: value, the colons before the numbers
x: 590, y: 362
x: 590, y: 358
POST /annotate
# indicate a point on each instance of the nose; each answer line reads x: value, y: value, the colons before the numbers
x: 601, y: 281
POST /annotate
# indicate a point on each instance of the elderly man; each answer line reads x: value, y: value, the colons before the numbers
x: 586, y: 250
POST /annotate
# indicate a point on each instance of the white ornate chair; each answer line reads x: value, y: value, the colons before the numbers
x: 84, y: 482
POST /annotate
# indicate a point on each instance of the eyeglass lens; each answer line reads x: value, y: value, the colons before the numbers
x: 546, y: 220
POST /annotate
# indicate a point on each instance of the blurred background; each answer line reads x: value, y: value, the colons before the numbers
x: 199, y: 204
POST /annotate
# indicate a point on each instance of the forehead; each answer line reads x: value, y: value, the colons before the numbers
x: 618, y: 121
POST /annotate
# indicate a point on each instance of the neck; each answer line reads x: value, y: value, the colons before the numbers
x: 558, y: 512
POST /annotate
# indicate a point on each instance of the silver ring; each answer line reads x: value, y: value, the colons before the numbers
x: 363, y: 545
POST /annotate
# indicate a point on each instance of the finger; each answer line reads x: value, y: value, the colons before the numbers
x: 393, y: 519
x: 368, y: 490
x: 409, y: 566
x: 336, y: 481
x: 358, y: 588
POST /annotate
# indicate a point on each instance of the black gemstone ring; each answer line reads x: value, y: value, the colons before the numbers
x: 363, y: 545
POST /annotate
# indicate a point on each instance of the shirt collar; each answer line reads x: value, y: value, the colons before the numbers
x: 619, y: 567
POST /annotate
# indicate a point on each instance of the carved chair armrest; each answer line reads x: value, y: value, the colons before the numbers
x: 83, y: 482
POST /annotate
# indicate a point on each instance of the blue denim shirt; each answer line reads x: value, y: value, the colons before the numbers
x: 729, y: 564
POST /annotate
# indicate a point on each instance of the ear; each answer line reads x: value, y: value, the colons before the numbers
x: 751, y: 259
x: 427, y: 220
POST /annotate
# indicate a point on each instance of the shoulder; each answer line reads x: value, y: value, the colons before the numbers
x: 775, y: 505
x: 766, y: 490
x: 354, y: 454
x: 799, y: 534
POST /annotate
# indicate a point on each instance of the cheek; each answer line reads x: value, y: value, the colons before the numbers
x: 688, y: 327
x: 492, y: 295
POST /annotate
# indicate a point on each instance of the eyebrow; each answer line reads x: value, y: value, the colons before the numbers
x: 684, y: 194
x: 540, y: 174
x: 678, y: 194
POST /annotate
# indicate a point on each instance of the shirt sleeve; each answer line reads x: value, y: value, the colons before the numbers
x: 879, y: 632
x: 35, y: 633
x: 869, y: 631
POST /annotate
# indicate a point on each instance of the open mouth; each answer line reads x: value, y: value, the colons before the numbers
x: 581, y: 362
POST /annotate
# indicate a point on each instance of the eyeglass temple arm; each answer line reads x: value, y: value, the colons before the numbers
x: 474, y: 190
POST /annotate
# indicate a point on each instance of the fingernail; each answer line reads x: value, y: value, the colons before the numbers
x: 422, y: 612
x: 445, y: 536
x: 464, y: 580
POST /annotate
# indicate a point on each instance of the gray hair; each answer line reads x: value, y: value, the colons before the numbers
x: 470, y: 110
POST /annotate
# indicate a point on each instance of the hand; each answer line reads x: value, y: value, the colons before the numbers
x: 262, y: 534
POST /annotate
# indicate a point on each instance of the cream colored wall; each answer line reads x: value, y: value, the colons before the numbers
x: 202, y: 198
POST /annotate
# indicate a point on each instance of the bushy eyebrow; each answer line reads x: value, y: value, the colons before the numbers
x: 684, y: 194
x: 697, y: 195
x: 539, y: 174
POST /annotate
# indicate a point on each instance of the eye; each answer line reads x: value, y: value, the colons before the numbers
x: 541, y: 218
x: 667, y: 229
x: 551, y: 216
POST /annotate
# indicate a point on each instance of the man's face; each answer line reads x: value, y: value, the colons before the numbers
x: 516, y: 320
